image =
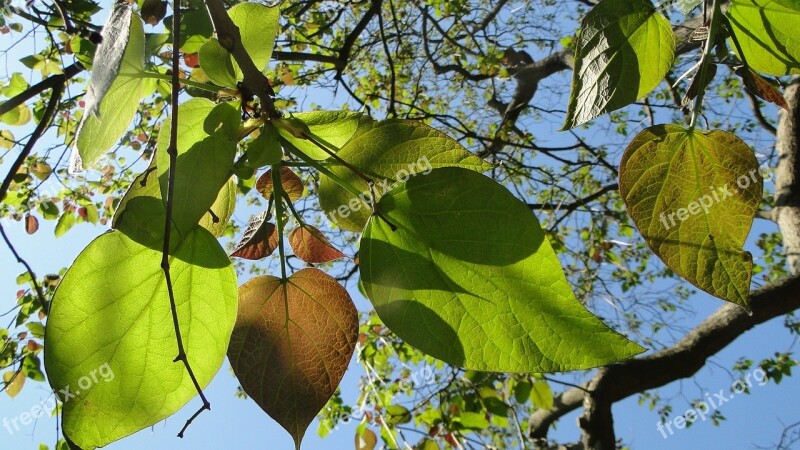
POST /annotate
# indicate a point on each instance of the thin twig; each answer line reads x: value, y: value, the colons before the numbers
x: 49, y: 113
x: 172, y: 151
x: 38, y: 88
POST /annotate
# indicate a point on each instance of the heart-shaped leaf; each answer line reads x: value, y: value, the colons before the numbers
x: 110, y: 343
x: 468, y: 277
x: 624, y: 49
x: 292, y: 343
x: 693, y: 196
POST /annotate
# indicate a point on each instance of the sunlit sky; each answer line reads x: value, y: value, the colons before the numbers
x: 755, y: 419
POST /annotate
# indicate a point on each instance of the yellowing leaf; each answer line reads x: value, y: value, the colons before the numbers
x: 292, y: 343
x: 366, y: 440
x: 693, y: 196
x: 14, y: 381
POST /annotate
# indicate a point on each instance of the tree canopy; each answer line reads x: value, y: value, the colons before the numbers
x: 531, y: 196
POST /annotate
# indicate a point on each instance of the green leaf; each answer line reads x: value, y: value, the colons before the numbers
x: 222, y: 209
x: 334, y: 128
x: 542, y: 395
x: 292, y: 343
x: 217, y: 63
x: 522, y: 391
x: 767, y: 33
x: 469, y: 278
x: 258, y: 26
x: 206, y: 148
x: 693, y: 196
x: 65, y: 223
x: 471, y: 421
x: 397, y: 415
x: 265, y: 149
x: 110, y: 338
x: 16, y: 85
x: 624, y: 50
x: 388, y: 153
x: 115, y: 89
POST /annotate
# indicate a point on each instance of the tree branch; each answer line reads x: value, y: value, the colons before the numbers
x: 38, y: 88
x: 682, y: 360
x: 255, y: 82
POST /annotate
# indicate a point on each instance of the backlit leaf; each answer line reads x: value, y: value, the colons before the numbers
x: 693, y: 196
x: 206, y: 148
x: 760, y: 87
x: 291, y: 183
x: 258, y: 26
x: 111, y: 301
x: 767, y: 32
x: 292, y: 343
x: 469, y: 278
x: 14, y: 381
x: 260, y: 239
x: 624, y: 49
x: 388, y: 153
x: 115, y: 88
x: 310, y: 245
x: 333, y: 128
x: 542, y: 395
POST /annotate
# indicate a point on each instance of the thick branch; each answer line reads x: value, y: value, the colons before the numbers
x: 682, y: 360
x: 787, y: 184
x: 255, y: 82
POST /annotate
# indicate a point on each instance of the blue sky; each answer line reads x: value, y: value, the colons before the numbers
x: 753, y: 419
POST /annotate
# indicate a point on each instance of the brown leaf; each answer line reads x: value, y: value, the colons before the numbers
x: 310, y: 245
x: 291, y: 183
x: 366, y: 440
x: 153, y: 11
x: 259, y: 241
x: 31, y: 224
x: 291, y: 344
x: 760, y: 87
x: 14, y: 382
x: 698, y: 85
